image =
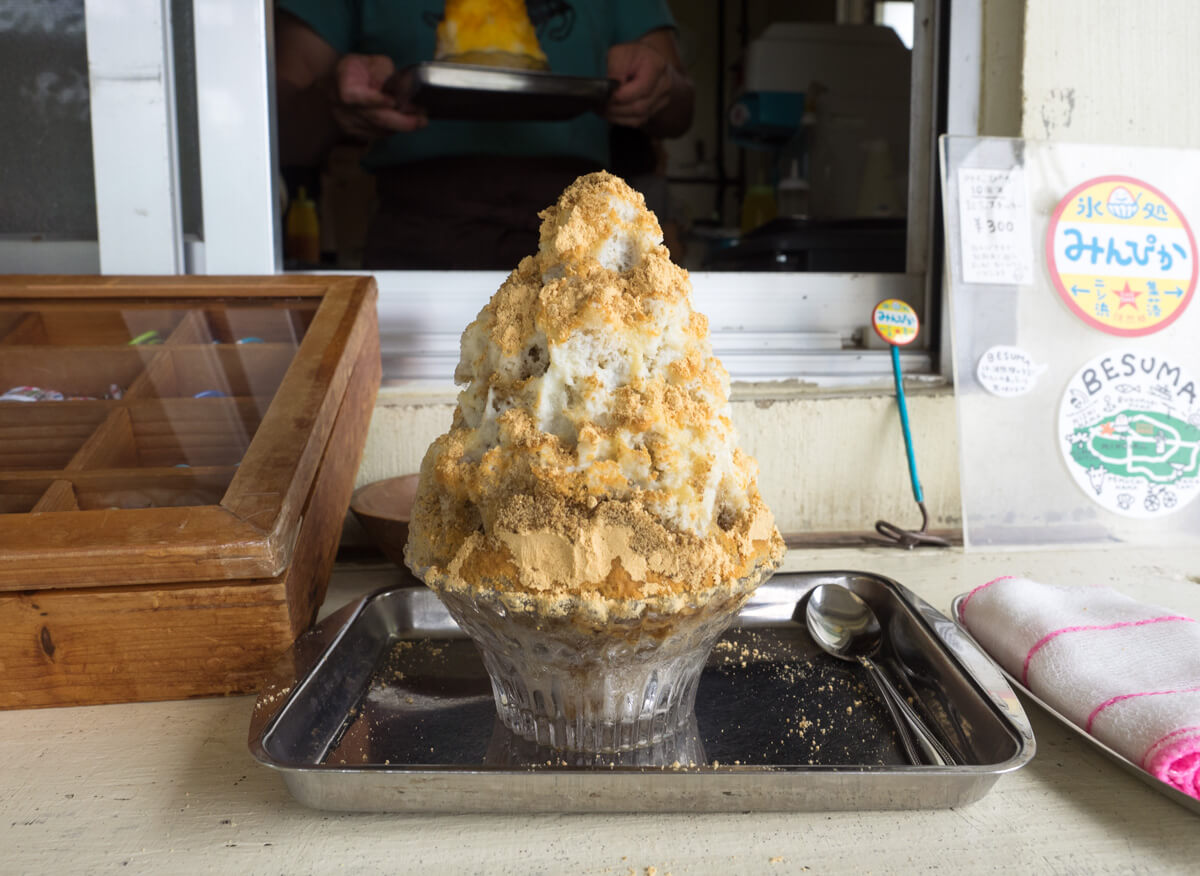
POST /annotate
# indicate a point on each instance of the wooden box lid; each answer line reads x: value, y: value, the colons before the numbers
x: 194, y: 415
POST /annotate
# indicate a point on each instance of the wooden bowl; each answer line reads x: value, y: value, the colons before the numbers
x: 383, y: 509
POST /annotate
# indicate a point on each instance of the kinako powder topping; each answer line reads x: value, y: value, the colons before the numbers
x: 591, y: 456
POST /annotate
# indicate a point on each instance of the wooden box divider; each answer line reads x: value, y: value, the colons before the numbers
x: 192, y: 329
x: 59, y: 496
x: 159, y: 371
x: 109, y: 446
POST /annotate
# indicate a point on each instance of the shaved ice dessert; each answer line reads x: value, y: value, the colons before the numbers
x: 491, y: 33
x: 589, y: 519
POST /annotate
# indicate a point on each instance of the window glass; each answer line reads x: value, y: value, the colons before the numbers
x: 187, y: 133
x: 793, y: 154
x: 46, y: 149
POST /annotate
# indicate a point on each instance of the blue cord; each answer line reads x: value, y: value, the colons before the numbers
x: 908, y: 445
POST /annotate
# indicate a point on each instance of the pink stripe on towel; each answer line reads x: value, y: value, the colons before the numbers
x: 1145, y: 693
x: 1178, y: 764
x: 962, y: 609
x: 1166, y: 738
x: 1053, y: 634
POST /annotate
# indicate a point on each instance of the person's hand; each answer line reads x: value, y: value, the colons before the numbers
x: 360, y: 105
x: 644, y: 78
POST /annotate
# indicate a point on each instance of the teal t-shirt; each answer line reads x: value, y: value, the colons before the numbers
x: 575, y: 36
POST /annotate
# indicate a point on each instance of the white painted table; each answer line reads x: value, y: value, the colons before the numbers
x: 171, y: 788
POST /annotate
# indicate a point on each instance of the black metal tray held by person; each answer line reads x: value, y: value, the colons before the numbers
x: 478, y: 93
x: 385, y: 706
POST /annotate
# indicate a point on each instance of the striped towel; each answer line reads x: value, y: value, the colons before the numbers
x: 1124, y: 671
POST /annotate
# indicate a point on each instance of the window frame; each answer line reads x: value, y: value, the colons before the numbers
x: 766, y: 326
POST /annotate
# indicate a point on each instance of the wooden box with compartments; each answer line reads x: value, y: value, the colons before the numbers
x: 176, y: 461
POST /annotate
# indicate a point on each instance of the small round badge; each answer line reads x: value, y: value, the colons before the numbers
x: 895, y: 321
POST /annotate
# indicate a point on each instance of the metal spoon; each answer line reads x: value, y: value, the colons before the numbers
x: 844, y: 626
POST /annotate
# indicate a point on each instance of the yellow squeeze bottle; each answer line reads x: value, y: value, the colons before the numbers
x: 302, y: 237
x: 758, y: 207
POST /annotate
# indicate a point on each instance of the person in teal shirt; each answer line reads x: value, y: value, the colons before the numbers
x: 465, y: 194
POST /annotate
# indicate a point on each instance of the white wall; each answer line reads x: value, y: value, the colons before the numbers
x: 1125, y: 72
x: 828, y: 464
x: 1002, y: 50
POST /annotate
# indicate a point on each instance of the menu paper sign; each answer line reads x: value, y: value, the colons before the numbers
x: 996, y: 247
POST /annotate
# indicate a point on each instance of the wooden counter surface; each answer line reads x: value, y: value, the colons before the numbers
x: 170, y: 787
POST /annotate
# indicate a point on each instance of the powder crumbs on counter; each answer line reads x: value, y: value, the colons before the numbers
x: 269, y: 695
x: 778, y: 859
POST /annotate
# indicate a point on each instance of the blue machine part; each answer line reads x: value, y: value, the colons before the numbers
x: 765, y: 119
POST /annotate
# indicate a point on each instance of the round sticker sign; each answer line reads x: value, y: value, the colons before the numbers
x: 895, y: 321
x: 1122, y: 256
x: 1007, y: 371
x: 1129, y: 430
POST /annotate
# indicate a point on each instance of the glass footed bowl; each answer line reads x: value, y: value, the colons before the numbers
x: 570, y: 683
x: 682, y: 750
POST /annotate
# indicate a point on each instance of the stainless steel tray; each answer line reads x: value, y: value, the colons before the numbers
x: 471, y: 92
x: 1125, y: 763
x: 385, y: 706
